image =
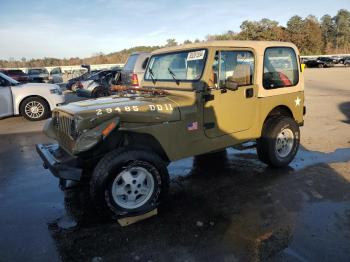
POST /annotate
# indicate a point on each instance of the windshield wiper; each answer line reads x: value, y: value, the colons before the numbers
x: 152, y: 75
x: 173, y: 75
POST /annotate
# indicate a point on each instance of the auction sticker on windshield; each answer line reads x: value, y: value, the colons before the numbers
x: 195, y: 55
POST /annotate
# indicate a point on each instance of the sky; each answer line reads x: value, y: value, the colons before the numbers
x: 81, y: 28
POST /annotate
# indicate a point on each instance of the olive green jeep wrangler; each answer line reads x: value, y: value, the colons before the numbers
x: 195, y: 99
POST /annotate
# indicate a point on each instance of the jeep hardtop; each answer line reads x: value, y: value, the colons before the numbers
x: 195, y: 99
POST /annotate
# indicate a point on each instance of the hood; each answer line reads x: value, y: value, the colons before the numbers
x: 132, y: 109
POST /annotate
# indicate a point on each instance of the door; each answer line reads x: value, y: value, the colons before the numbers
x: 6, y: 106
x: 231, y: 102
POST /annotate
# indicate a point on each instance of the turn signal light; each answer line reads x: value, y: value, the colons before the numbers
x: 108, y: 129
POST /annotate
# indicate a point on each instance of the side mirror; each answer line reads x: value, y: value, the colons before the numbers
x: 231, y: 84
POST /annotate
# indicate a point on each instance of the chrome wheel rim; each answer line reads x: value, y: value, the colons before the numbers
x: 284, y: 142
x: 133, y: 187
x: 34, y: 109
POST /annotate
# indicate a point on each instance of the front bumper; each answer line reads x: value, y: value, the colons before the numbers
x: 61, y: 164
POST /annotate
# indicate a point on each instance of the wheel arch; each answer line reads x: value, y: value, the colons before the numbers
x: 281, y: 110
x: 18, y: 108
x: 143, y: 140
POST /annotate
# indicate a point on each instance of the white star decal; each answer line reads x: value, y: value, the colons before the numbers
x: 297, y: 101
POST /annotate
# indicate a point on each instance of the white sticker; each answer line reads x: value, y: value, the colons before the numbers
x: 196, y: 55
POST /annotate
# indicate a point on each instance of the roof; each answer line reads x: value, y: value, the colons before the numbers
x: 258, y: 45
x: 140, y: 52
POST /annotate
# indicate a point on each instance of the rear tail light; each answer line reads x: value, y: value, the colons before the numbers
x: 79, y: 85
x: 134, y: 80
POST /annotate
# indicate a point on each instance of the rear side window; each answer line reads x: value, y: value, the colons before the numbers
x: 280, y: 68
x: 55, y: 71
x: 130, y: 64
x: 144, y: 64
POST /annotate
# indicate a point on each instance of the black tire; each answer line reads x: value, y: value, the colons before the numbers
x: 99, y: 92
x: 41, y: 103
x: 74, y: 88
x: 320, y: 66
x: 266, y: 145
x: 112, y: 165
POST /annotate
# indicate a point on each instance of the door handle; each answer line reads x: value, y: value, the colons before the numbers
x: 249, y: 92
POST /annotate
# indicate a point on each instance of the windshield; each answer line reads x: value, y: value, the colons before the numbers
x: 179, y: 66
x: 37, y: 71
x: 15, y: 72
x: 12, y: 81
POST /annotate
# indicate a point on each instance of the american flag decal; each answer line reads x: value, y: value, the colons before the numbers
x: 192, y: 126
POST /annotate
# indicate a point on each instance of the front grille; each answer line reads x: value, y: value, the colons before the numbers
x: 65, y: 130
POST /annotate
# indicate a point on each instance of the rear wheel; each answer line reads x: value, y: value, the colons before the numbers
x: 35, y: 109
x: 279, y: 142
x: 129, y: 181
x: 320, y: 66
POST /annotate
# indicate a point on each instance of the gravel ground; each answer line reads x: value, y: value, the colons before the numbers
x: 226, y: 208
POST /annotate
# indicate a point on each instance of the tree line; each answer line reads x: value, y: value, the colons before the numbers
x: 329, y: 35
x: 313, y: 36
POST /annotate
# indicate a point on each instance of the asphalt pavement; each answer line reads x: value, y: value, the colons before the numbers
x: 225, y: 207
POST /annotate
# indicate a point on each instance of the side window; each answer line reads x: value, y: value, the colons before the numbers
x: 236, y: 65
x: 3, y: 82
x: 280, y: 68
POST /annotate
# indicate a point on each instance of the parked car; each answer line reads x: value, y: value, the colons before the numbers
x: 34, y: 101
x: 98, y: 85
x: 343, y: 59
x: 38, y: 75
x: 16, y: 74
x: 320, y: 62
x: 336, y: 59
x: 56, y: 75
x: 347, y: 62
x: 134, y: 69
x: 81, y: 75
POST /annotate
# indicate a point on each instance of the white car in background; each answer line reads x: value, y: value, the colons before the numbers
x: 34, y: 101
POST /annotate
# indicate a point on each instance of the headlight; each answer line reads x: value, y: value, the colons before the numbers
x: 56, y: 91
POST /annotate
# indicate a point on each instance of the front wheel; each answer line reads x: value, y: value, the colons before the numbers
x: 129, y: 181
x: 35, y: 109
x: 279, y: 142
